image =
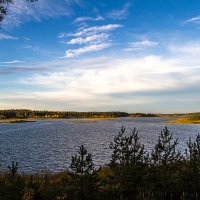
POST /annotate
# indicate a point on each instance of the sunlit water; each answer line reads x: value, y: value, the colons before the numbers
x: 47, y: 145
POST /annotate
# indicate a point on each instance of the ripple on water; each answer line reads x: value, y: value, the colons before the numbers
x: 49, y: 145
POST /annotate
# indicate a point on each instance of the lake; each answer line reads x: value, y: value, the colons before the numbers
x: 47, y: 145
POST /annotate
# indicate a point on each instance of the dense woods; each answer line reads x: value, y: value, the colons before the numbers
x: 143, y: 115
x: 132, y: 173
x: 23, y: 114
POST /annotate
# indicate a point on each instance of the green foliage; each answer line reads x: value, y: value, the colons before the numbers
x: 8, y: 114
x: 82, y: 163
x: 143, y: 115
x: 83, y: 174
x: 195, y: 116
x: 127, y: 150
x: 165, y: 151
x: 193, y: 154
x: 127, y: 164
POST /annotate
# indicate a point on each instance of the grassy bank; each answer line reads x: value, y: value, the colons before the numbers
x: 7, y: 121
x: 184, y: 121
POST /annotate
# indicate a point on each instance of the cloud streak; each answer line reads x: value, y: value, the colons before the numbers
x: 134, y: 46
x: 193, y: 20
x: 22, y: 11
x: 95, y: 30
x: 13, y: 62
x: 95, y: 38
x: 4, y: 36
x: 84, y: 19
x: 90, y: 48
x: 120, y: 13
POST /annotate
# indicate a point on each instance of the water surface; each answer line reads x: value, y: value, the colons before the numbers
x: 49, y: 144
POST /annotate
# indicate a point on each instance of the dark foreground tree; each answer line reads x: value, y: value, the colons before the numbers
x: 83, y: 175
x: 127, y: 164
x: 165, y: 169
x: 191, y: 170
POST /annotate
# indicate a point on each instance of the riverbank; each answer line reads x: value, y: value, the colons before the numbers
x: 74, y: 120
x: 8, y: 121
x: 183, y: 121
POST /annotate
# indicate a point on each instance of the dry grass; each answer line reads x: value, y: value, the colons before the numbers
x: 16, y: 121
x: 183, y: 121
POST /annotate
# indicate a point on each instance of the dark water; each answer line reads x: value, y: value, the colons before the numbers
x: 49, y: 144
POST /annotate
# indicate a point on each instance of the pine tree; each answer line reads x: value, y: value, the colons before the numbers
x: 165, y: 152
x: 83, y: 175
x: 127, y: 163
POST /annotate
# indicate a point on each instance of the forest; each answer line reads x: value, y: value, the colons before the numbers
x: 133, y: 173
x: 24, y: 114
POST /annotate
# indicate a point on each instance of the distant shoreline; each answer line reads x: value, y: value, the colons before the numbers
x: 10, y: 121
x: 24, y: 116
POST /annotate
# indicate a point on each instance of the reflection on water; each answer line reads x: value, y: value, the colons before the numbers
x: 49, y: 144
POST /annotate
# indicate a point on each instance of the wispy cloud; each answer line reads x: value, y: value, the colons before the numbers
x: 90, y: 48
x: 95, y: 30
x: 4, y: 36
x: 120, y: 13
x: 94, y: 38
x: 22, y: 11
x: 134, y: 46
x: 13, y: 62
x: 193, y: 20
x: 84, y: 19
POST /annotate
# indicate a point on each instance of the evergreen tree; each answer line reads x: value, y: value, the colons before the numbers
x: 83, y: 175
x: 165, y: 160
x: 127, y: 164
x: 165, y: 151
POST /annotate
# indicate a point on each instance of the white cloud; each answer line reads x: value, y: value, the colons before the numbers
x: 108, y: 77
x: 92, y: 38
x: 91, y: 48
x: 120, y: 13
x: 191, y: 48
x: 95, y: 30
x: 13, y: 62
x: 83, y: 19
x: 109, y: 83
x: 141, y: 45
x: 193, y: 20
x: 21, y: 11
x: 4, y: 36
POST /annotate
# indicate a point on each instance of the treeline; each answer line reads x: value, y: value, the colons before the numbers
x: 23, y: 114
x: 132, y: 174
x: 143, y: 115
x: 195, y: 116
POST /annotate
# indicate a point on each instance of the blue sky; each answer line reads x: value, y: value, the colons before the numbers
x: 116, y: 55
